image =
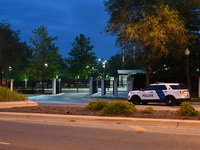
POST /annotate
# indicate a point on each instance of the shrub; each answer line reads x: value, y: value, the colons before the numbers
x: 118, y: 108
x: 187, y: 110
x: 7, y: 95
x: 96, y: 105
x: 148, y: 110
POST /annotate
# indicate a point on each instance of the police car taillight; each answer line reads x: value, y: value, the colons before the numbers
x: 181, y: 91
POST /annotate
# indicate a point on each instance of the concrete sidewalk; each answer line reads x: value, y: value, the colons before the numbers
x: 172, y: 122
x: 17, y: 104
x: 110, y: 94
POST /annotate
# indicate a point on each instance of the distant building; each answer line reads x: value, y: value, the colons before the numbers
x: 123, y: 75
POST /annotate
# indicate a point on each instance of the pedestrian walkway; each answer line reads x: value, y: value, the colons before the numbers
x: 61, y: 98
x: 110, y: 94
x: 74, y: 96
x: 17, y: 104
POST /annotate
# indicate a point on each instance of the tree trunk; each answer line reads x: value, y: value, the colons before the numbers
x: 148, y: 71
x: 1, y: 76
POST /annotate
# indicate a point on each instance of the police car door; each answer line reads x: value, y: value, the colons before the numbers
x: 161, y: 91
x: 149, y: 93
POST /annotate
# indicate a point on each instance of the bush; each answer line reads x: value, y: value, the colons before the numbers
x: 187, y: 110
x: 96, y: 105
x: 118, y: 108
x: 7, y: 95
x: 148, y: 110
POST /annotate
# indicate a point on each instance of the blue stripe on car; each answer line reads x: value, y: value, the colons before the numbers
x: 160, y: 94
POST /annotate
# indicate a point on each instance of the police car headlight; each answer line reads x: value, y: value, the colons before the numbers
x: 129, y: 95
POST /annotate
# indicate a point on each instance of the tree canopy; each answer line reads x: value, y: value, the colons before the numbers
x: 43, y: 63
x: 149, y: 33
x: 10, y: 47
x: 82, y: 59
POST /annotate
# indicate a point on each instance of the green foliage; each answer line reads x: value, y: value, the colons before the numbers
x: 7, y: 95
x: 187, y: 110
x: 118, y: 108
x: 154, y: 29
x: 96, y: 105
x: 10, y: 47
x: 44, y: 61
x: 82, y: 60
x: 17, y: 69
x: 148, y: 110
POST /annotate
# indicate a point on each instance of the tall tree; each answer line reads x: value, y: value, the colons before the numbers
x: 17, y: 70
x: 190, y: 13
x: 10, y: 46
x: 43, y: 64
x: 156, y: 32
x: 82, y: 59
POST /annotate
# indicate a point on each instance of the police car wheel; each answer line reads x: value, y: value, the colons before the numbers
x: 136, y: 100
x: 170, y: 101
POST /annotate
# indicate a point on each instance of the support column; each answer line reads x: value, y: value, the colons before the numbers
x: 54, y: 86
x: 130, y: 83
x: 91, y: 85
x: 58, y: 86
x: 11, y: 84
x: 115, y: 89
x: 103, y: 90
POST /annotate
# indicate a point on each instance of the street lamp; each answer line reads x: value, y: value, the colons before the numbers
x: 103, y: 67
x: 43, y: 75
x: 103, y: 83
x: 187, y: 53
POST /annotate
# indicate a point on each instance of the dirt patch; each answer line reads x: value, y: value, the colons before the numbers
x: 65, y: 110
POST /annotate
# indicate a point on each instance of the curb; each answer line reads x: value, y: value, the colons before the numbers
x: 17, y: 104
x: 118, y: 120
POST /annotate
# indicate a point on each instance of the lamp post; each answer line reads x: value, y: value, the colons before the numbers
x: 103, y: 67
x: 43, y: 75
x: 103, y: 84
x: 187, y: 53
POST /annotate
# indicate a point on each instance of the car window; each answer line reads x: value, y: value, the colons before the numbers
x: 149, y: 88
x: 180, y: 86
x: 161, y: 87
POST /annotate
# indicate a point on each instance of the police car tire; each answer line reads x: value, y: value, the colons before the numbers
x: 170, y: 101
x: 136, y: 100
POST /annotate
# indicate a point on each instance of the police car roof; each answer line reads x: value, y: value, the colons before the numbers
x: 164, y: 83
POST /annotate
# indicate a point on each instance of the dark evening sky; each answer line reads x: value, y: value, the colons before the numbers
x: 63, y: 18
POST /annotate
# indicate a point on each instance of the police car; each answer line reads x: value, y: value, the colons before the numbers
x: 170, y: 93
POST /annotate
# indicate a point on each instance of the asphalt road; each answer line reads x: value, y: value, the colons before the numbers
x: 26, y: 134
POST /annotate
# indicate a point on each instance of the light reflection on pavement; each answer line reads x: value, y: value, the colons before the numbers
x: 61, y: 98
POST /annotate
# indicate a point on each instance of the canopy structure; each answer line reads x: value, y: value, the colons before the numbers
x: 123, y: 76
x: 127, y: 72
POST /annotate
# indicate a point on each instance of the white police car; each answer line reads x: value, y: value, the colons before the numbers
x: 170, y: 93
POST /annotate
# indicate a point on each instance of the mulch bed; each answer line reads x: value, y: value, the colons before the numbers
x: 64, y: 110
